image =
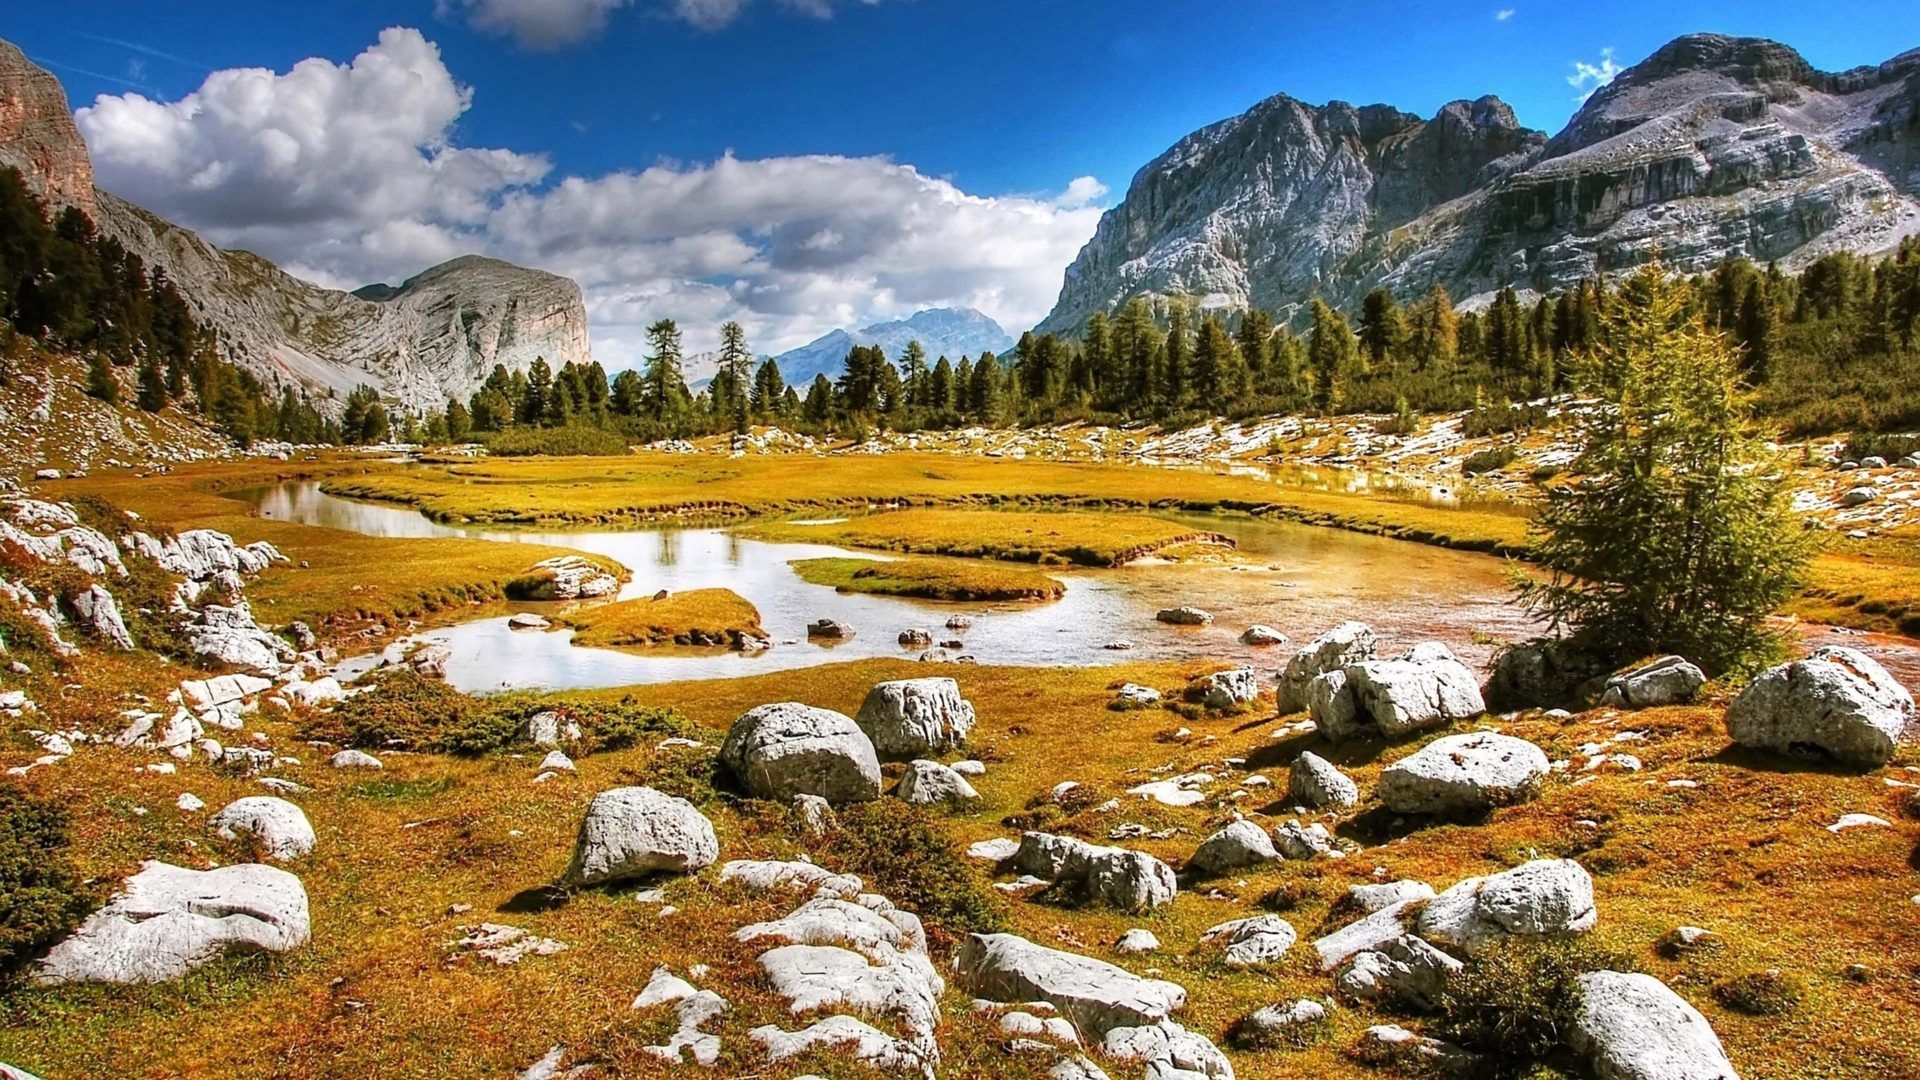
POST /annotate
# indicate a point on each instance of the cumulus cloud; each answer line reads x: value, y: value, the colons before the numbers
x: 1503, y: 15
x: 347, y: 170
x: 1588, y: 78
x: 350, y: 173
x: 536, y: 24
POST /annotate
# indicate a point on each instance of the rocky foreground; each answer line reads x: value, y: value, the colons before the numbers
x: 829, y: 968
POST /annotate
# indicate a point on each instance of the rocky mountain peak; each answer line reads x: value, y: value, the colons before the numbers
x: 1712, y: 146
x: 37, y: 133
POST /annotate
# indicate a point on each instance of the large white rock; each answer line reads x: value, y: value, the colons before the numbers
x: 354, y: 759
x: 1670, y: 680
x: 881, y: 932
x: 851, y: 1039
x: 1632, y: 1027
x: 1406, y: 971
x: 1261, y: 939
x: 1464, y: 774
x: 1424, y: 687
x: 227, y: 633
x: 1227, y: 689
x: 1543, y: 898
x: 1094, y: 995
x: 1315, y: 781
x: 1348, y: 643
x: 97, y: 614
x: 929, y: 782
x: 762, y: 875
x: 1241, y: 843
x: 280, y: 827
x: 168, y: 920
x: 1836, y: 703
x: 786, y: 749
x: 1120, y: 877
x: 915, y: 718
x: 634, y: 831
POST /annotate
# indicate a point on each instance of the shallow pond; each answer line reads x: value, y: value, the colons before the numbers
x: 1298, y: 579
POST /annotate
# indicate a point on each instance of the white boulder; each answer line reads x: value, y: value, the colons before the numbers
x: 786, y: 749
x: 1836, y: 703
x: 635, y: 831
x: 281, y: 827
x: 915, y: 718
x: 1464, y: 774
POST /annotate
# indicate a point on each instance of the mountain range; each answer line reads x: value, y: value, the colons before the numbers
x: 949, y: 332
x: 1713, y: 146
x: 438, y: 334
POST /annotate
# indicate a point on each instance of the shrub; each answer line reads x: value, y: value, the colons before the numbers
x: 400, y: 709
x: 684, y: 772
x: 1761, y: 993
x: 1492, y: 459
x: 905, y: 851
x: 405, y: 709
x: 1519, y: 998
x: 40, y: 901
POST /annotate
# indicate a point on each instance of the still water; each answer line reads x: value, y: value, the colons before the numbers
x: 1296, y: 578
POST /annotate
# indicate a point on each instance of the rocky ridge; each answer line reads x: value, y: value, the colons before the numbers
x: 440, y: 333
x: 1714, y: 146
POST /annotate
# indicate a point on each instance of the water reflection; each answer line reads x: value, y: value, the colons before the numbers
x: 1295, y: 578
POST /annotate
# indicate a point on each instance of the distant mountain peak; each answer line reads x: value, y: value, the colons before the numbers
x: 950, y: 332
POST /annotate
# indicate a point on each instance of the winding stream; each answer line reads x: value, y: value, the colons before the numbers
x: 1298, y: 579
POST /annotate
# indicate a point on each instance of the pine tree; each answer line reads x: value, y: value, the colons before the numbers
x: 913, y: 374
x: 100, y: 381
x: 663, y: 391
x: 1382, y: 328
x: 1679, y: 537
x: 735, y: 375
x: 153, y: 386
x: 769, y: 389
x: 1330, y: 351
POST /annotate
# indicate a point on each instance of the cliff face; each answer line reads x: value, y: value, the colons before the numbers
x: 1712, y: 147
x: 436, y: 335
x: 37, y: 135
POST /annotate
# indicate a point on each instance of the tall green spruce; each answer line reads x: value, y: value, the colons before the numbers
x: 1677, y: 536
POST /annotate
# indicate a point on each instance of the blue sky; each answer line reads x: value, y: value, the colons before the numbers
x: 631, y: 102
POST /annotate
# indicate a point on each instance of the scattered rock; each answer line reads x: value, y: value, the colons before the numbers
x: 1277, y: 1023
x: 281, y: 827
x: 829, y: 629
x: 504, y: 945
x: 1836, y: 703
x: 1464, y: 774
x: 1185, y: 616
x: 1241, y: 843
x: 168, y: 920
x: 1300, y: 843
x: 997, y: 850
x: 1314, y: 781
x: 1258, y: 634
x: 1405, y: 971
x: 1348, y: 643
x: 1227, y: 689
x: 1135, y: 696
x: 1670, y: 680
x: 354, y: 759
x: 1391, y: 1042
x: 1422, y: 688
x: 816, y: 815
x: 556, y: 761
x: 550, y: 730
x: 1136, y: 941
x: 786, y: 749
x: 1120, y: 877
x: 1261, y: 939
x: 927, y: 782
x: 1536, y: 899
x: 527, y: 620
x: 1632, y: 1027
x: 635, y: 831
x: 915, y: 718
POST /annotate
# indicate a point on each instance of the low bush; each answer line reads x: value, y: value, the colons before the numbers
x: 40, y: 900
x: 905, y: 852
x: 1492, y: 459
x: 406, y: 710
x: 1761, y: 993
x: 1518, y: 1000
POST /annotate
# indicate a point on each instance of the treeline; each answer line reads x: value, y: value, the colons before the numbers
x: 76, y: 292
x: 1829, y: 349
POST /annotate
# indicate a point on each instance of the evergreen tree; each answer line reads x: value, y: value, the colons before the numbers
x: 769, y: 389
x: 459, y: 422
x: 100, y: 381
x: 1176, y: 358
x: 1330, y: 351
x: 733, y: 384
x: 1680, y: 538
x: 663, y: 392
x: 153, y: 386
x: 1382, y: 328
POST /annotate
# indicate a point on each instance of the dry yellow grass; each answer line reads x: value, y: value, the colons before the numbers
x: 701, y: 616
x: 930, y: 579
x: 1745, y: 854
x: 333, y: 579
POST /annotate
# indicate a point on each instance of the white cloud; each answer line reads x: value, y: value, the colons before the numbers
x: 347, y: 174
x: 717, y: 14
x: 1503, y: 14
x: 536, y: 24
x: 1588, y: 78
